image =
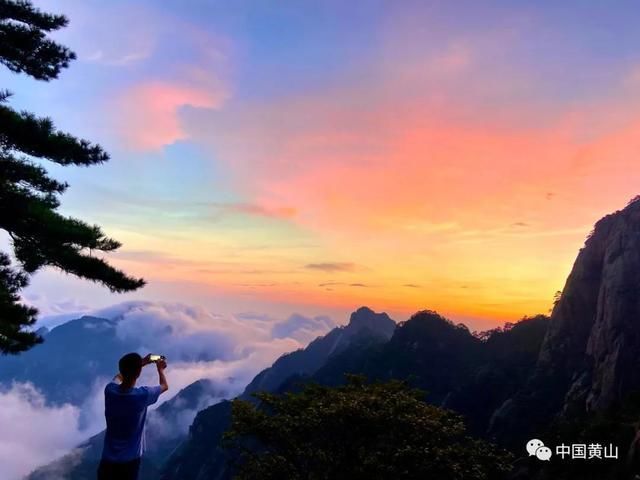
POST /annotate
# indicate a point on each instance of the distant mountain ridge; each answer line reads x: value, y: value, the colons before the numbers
x: 427, y: 350
x: 166, y: 431
x: 363, y: 322
x: 66, y: 366
x: 201, y: 456
x: 456, y: 369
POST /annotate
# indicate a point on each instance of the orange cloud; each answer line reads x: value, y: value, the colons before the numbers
x: 435, y: 189
x: 449, y: 169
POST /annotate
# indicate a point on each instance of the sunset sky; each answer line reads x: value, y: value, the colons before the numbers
x: 315, y: 156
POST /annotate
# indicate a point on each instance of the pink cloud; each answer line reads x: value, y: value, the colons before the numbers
x: 422, y: 176
x: 420, y: 168
x: 455, y: 137
x: 148, y: 114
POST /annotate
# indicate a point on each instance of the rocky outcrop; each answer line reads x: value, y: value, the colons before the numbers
x: 455, y: 369
x: 364, y: 322
x: 590, y: 355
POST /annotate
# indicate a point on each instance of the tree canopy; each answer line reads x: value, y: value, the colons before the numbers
x: 29, y: 197
x: 357, y: 431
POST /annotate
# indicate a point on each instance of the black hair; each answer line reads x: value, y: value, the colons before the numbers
x: 130, y: 366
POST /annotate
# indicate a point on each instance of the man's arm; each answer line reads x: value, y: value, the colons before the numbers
x: 161, y: 365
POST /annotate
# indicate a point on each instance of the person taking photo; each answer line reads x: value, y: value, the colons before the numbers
x: 125, y: 409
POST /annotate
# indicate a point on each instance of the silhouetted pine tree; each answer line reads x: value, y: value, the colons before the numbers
x: 40, y: 236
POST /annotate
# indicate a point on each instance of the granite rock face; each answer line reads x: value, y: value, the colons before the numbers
x: 591, y: 352
x: 594, y: 335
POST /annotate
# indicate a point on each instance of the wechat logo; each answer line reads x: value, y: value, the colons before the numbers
x: 536, y: 448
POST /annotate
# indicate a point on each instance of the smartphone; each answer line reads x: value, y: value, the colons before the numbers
x: 156, y: 358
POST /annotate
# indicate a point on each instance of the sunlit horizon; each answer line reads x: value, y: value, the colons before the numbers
x: 276, y: 159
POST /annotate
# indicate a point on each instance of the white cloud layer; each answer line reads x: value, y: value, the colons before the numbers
x: 34, y: 433
x: 229, y: 350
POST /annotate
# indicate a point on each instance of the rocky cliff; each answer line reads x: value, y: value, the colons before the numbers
x: 589, y: 357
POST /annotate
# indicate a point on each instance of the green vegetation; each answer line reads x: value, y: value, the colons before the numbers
x: 29, y: 198
x: 357, y: 431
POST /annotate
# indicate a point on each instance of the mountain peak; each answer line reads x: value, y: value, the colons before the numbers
x: 365, y: 318
x: 432, y: 330
x: 42, y: 331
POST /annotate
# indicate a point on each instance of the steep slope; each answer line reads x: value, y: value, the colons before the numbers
x: 202, y: 456
x: 589, y: 357
x: 363, y: 323
x: 455, y: 368
x: 427, y: 347
x: 509, y: 358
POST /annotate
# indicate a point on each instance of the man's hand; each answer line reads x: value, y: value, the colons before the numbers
x: 161, y: 365
x: 146, y: 360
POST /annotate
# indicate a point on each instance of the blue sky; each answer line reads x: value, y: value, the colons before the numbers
x: 464, y: 148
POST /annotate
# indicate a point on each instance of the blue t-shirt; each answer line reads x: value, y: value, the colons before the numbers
x: 126, y: 412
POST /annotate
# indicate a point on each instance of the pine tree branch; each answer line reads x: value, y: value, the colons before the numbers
x: 23, y: 43
x: 16, y: 199
x: 27, y: 174
x: 33, y: 254
x: 25, y: 12
x: 37, y: 137
x: 14, y: 316
x: 96, y: 270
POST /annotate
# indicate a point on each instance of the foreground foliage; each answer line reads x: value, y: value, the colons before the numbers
x: 359, y: 430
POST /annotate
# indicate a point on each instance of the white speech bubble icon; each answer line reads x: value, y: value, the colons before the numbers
x: 543, y: 453
x: 533, y: 445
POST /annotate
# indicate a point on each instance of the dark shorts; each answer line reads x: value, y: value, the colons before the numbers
x: 119, y: 471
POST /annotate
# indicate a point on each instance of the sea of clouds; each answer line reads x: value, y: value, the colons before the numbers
x: 199, y: 344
